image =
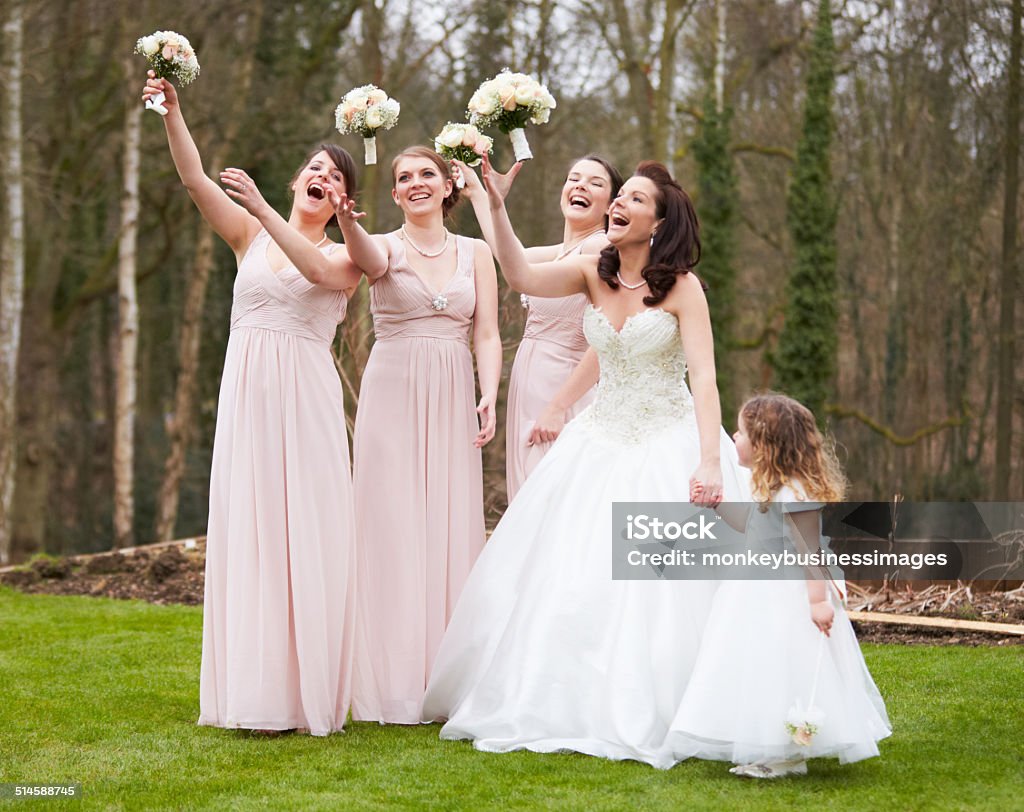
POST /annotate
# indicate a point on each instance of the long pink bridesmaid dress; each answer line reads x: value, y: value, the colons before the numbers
x: 418, y: 482
x: 280, y: 554
x: 553, y: 345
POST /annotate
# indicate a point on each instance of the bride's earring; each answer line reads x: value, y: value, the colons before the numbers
x: 652, y: 238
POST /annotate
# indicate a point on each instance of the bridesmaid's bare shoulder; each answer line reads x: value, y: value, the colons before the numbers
x: 483, y: 259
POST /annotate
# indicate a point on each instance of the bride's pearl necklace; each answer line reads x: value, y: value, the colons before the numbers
x: 626, y: 284
x: 420, y: 251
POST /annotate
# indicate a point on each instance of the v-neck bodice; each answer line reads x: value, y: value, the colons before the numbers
x: 284, y: 301
x: 403, y: 305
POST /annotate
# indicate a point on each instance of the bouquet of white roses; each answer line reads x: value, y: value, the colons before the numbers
x: 170, y: 56
x: 365, y: 110
x: 511, y: 100
x: 462, y: 142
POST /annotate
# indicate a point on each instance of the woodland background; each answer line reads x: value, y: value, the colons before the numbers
x: 855, y: 166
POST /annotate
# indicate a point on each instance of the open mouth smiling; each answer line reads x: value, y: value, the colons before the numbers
x: 316, y: 191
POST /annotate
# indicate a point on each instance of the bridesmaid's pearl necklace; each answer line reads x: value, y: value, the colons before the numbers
x: 321, y: 241
x: 420, y: 251
x: 626, y: 284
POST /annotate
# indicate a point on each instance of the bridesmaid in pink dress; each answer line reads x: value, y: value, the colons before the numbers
x: 280, y: 555
x: 418, y: 470
x: 553, y: 374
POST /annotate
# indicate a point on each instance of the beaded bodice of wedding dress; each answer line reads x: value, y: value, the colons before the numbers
x: 643, y: 367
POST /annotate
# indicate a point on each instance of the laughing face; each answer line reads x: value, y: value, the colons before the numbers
x: 419, y: 185
x: 586, y: 194
x: 633, y: 215
x: 310, y: 187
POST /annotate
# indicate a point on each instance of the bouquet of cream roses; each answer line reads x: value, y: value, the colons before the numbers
x: 511, y: 100
x: 170, y: 56
x: 462, y: 142
x: 365, y: 110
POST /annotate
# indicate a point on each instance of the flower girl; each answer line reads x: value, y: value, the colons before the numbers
x: 779, y: 676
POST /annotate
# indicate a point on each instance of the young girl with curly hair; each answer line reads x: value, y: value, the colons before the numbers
x: 780, y: 677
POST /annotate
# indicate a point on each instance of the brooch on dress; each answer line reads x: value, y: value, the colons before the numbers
x: 439, y: 302
x: 524, y: 300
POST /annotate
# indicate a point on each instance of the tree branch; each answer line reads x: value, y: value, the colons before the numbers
x: 889, y: 434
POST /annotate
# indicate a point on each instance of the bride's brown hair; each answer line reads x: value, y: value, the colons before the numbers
x: 676, y: 246
x: 789, y: 448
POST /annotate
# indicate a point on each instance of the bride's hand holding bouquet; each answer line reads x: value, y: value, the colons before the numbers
x: 511, y: 100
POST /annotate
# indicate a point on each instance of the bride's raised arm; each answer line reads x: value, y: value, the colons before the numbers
x: 545, y: 279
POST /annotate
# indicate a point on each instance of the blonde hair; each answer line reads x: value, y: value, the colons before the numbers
x: 788, y: 448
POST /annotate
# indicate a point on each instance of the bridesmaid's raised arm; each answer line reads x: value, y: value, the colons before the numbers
x: 336, y: 271
x: 547, y: 279
x: 365, y: 251
x: 232, y: 223
x: 474, y: 190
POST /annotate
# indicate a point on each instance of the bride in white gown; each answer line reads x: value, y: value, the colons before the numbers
x: 545, y: 651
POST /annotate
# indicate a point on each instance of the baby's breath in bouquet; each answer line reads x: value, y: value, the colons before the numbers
x: 462, y: 142
x: 170, y: 56
x: 511, y: 100
x: 365, y: 110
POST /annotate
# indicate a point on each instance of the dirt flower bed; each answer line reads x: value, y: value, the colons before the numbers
x: 173, y: 573
x: 161, y: 574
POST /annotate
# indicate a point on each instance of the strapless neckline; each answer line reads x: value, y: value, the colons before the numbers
x: 631, y: 318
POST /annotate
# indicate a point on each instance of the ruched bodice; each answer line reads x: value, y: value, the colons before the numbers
x: 557, y: 320
x: 284, y: 301
x: 643, y: 367
x: 403, y: 306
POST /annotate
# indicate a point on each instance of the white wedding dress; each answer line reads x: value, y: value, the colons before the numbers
x: 545, y: 651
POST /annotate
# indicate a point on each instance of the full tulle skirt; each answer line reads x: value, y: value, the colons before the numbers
x: 545, y: 651
x: 758, y: 660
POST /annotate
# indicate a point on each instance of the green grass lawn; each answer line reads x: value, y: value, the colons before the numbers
x: 105, y: 694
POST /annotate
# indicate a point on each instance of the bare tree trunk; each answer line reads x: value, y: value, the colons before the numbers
x: 720, y: 43
x: 127, y: 327
x: 1008, y: 277
x: 662, y: 136
x: 12, y: 269
x: 180, y: 429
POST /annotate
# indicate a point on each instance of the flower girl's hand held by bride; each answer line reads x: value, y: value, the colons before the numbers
x: 487, y: 421
x: 822, y: 615
x: 706, y: 485
x: 155, y: 86
x: 241, y: 188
